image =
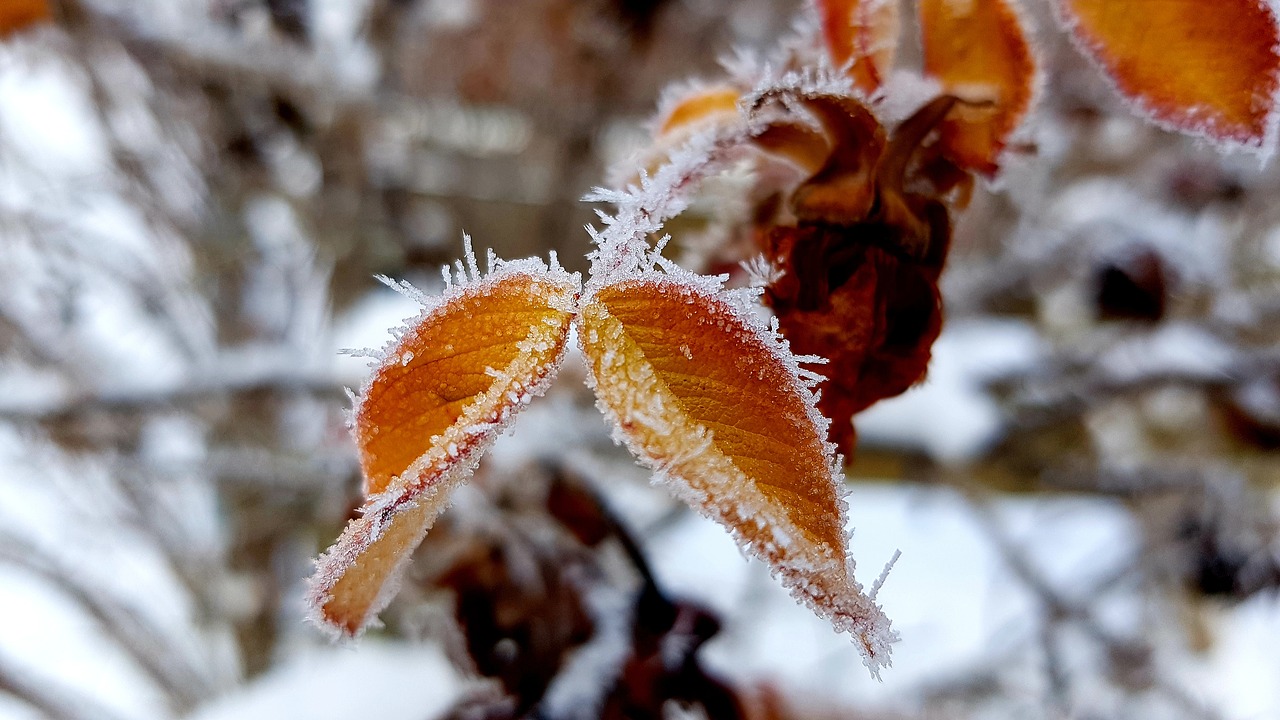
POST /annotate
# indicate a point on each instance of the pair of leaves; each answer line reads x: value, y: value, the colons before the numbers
x: 699, y: 391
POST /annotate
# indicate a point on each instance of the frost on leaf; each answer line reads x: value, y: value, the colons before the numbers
x: 979, y: 51
x: 862, y: 37
x: 16, y: 15
x: 711, y: 400
x: 1198, y: 67
x: 443, y: 391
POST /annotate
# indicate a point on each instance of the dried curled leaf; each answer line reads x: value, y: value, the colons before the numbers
x: 1203, y: 68
x: 979, y: 51
x: 442, y: 393
x: 844, y: 189
x: 711, y: 402
x: 861, y: 35
x: 16, y: 15
x: 874, y: 313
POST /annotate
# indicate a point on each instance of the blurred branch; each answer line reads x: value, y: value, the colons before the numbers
x: 234, y: 374
x: 49, y: 697
x: 147, y: 645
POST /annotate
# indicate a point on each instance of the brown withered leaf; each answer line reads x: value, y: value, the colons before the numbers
x: 845, y: 188
x: 980, y: 52
x: 1207, y: 69
x: 857, y: 274
x: 708, y: 400
x: 442, y: 393
x: 851, y: 295
x: 862, y: 34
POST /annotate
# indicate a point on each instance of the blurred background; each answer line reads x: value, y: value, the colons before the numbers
x: 195, y: 195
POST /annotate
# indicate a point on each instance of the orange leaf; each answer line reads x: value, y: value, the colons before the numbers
x: 17, y: 15
x: 1197, y: 67
x: 443, y: 392
x: 862, y: 34
x: 978, y: 50
x: 707, y: 398
x: 695, y: 106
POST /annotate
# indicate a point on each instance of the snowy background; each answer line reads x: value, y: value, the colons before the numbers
x: 195, y: 195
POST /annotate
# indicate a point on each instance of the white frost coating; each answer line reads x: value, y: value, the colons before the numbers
x: 406, y: 289
x: 1203, y: 128
x: 499, y: 270
x: 761, y: 273
x: 453, y: 455
x: 622, y: 247
x: 845, y: 605
x: 884, y: 575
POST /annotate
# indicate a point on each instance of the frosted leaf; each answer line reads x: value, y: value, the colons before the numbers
x: 1210, y: 70
x: 708, y: 397
x: 427, y: 413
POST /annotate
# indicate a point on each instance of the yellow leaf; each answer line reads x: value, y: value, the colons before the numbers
x: 1207, y: 68
x: 862, y: 34
x: 443, y: 392
x: 707, y: 398
x: 978, y: 50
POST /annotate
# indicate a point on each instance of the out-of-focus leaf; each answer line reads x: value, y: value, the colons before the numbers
x: 16, y: 15
x: 443, y: 392
x: 703, y: 395
x: 805, y: 147
x: 698, y: 105
x: 1205, y: 68
x: 862, y: 35
x: 979, y: 51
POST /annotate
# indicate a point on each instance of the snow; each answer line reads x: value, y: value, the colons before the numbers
x: 951, y: 598
x: 389, y: 681
x: 951, y: 416
x: 1175, y: 349
x: 52, y: 638
x: 45, y: 113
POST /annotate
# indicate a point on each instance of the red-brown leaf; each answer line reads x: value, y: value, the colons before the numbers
x: 872, y: 312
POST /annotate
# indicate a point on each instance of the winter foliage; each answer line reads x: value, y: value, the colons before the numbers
x: 985, y: 279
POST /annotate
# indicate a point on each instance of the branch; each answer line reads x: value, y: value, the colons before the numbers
x: 236, y: 373
x: 131, y: 632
